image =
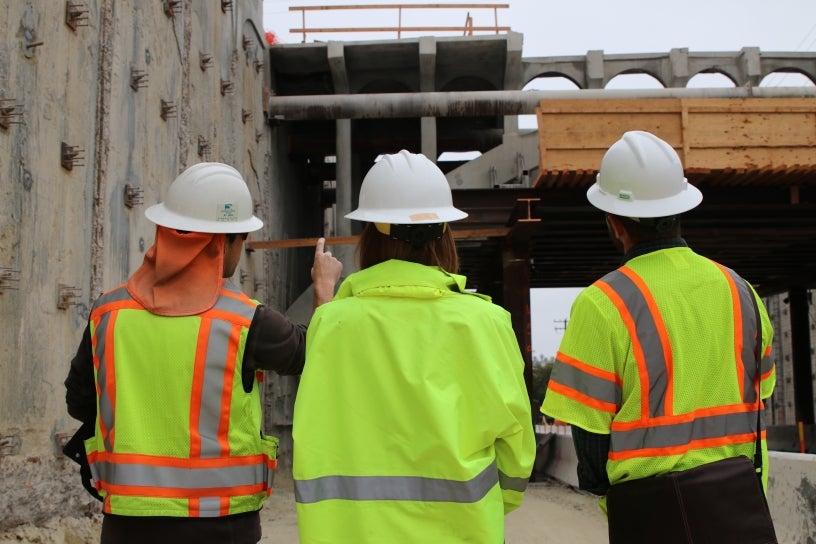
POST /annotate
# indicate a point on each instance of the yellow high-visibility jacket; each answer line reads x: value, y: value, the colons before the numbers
x: 659, y: 354
x: 412, y: 421
x: 176, y: 434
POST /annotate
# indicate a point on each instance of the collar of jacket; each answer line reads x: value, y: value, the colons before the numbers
x: 653, y: 245
x: 403, y: 277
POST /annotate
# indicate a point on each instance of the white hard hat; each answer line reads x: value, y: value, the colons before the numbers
x: 642, y: 176
x: 207, y: 197
x: 405, y: 188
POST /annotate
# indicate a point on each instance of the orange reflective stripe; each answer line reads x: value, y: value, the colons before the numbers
x: 225, y: 506
x: 685, y: 448
x: 589, y: 369
x: 107, y: 400
x: 183, y: 493
x: 582, y: 398
x: 194, y: 507
x: 197, y: 386
x: 683, y: 418
x: 637, y: 349
x: 227, y: 316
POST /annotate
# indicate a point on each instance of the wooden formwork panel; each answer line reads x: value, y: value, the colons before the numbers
x: 708, y: 133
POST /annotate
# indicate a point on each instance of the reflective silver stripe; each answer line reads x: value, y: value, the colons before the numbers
x: 396, y: 488
x: 749, y: 329
x: 767, y: 364
x: 129, y: 474
x: 680, y: 434
x: 648, y: 336
x: 592, y: 386
x: 209, y: 507
x: 114, y: 295
x: 118, y: 294
x: 213, y: 387
x: 511, y: 483
x: 105, y: 401
x: 242, y: 306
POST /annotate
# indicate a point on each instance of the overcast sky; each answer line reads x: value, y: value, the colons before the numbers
x: 573, y: 27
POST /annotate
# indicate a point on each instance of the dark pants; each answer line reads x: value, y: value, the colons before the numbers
x: 236, y: 529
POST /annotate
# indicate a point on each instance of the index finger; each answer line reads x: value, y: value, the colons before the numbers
x: 319, y: 246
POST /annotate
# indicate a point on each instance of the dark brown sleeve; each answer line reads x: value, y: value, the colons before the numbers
x: 80, y: 390
x: 275, y: 343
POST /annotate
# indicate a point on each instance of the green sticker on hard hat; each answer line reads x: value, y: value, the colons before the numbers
x: 625, y: 195
x: 227, y: 213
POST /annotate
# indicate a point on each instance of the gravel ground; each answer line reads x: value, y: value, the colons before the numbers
x: 550, y: 513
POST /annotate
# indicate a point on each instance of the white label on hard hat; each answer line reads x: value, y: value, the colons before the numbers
x: 226, y: 213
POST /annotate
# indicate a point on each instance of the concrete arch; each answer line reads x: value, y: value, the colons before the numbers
x: 554, y: 75
x: 791, y: 70
x: 715, y: 71
x: 634, y: 72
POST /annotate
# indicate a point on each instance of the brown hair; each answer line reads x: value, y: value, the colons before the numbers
x: 375, y: 247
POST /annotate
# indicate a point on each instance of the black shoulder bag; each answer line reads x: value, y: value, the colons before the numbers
x: 716, y: 503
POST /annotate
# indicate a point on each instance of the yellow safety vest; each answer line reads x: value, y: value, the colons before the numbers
x: 412, y: 420
x: 176, y: 434
x: 659, y: 355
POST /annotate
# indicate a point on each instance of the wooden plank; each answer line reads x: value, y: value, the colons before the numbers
x: 763, y: 129
x: 577, y: 106
x: 771, y: 105
x: 563, y: 131
x: 750, y: 158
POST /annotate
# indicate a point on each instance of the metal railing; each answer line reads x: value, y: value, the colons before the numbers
x: 467, y: 29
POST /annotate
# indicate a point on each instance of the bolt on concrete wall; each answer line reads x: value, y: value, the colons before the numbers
x: 103, y: 103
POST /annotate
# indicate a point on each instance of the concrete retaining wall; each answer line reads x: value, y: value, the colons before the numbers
x: 66, y: 230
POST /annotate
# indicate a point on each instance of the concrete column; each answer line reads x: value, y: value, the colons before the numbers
x: 679, y: 76
x: 595, y: 76
x: 512, y: 77
x: 427, y: 83
x: 344, y: 254
x: 428, y: 135
x: 750, y: 66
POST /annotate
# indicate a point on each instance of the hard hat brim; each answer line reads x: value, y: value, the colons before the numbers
x: 408, y: 216
x: 161, y: 215
x: 676, y: 204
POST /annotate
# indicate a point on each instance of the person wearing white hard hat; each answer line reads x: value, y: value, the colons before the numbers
x: 662, y: 369
x: 412, y: 420
x: 165, y: 378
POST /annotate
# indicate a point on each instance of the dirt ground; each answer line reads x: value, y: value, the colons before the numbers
x: 550, y: 513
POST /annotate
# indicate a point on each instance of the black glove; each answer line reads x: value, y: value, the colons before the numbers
x: 75, y: 449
